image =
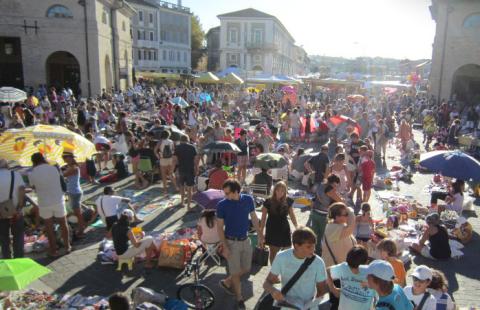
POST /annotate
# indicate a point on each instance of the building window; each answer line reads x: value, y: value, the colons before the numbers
x: 139, y: 55
x: 145, y: 55
x: 139, y: 35
x: 178, y: 56
x: 140, y: 16
x: 143, y: 35
x: 59, y: 11
x: 150, y: 18
x: 151, y: 36
x: 257, y: 36
x: 164, y: 55
x: 149, y: 55
x: 472, y: 21
x: 233, y: 58
x: 171, y: 56
x: 155, y: 55
x: 185, y: 57
x: 124, y: 26
x: 105, y: 17
x: 232, y: 35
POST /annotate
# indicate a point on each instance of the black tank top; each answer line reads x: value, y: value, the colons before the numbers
x: 439, y: 246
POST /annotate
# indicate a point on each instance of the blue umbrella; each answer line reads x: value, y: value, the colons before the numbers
x: 179, y: 101
x: 453, y: 164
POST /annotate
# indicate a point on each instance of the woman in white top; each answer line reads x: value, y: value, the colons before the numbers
x: 455, y: 198
x: 340, y: 169
x: 164, y: 151
x: 207, y: 227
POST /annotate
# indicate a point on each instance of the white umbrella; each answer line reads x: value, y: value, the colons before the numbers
x: 12, y: 94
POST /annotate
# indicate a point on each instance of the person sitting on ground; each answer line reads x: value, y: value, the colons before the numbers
x: 380, y: 277
x: 350, y: 275
x: 438, y: 287
x: 454, y: 198
x: 119, y: 301
x: 297, y: 167
x: 126, y: 244
x: 437, y: 235
x: 418, y: 293
x: 263, y: 178
x: 120, y: 170
x: 388, y: 252
x: 217, y: 176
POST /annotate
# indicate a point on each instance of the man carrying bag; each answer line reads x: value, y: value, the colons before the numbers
x: 301, y: 272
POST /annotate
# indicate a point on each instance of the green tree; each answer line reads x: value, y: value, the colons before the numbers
x: 198, y: 41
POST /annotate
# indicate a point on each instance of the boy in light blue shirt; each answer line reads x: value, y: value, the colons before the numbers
x: 312, y: 283
x: 353, y: 294
x: 380, y: 277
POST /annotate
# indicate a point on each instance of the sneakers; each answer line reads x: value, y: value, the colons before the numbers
x: 241, y: 305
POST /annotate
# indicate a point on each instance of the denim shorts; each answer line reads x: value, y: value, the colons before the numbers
x: 75, y: 200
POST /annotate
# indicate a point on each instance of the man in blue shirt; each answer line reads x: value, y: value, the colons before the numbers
x: 233, y: 224
x: 312, y: 284
x: 380, y: 277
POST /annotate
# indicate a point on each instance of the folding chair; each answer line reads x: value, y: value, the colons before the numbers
x: 259, y: 190
x: 211, y: 251
x: 145, y: 166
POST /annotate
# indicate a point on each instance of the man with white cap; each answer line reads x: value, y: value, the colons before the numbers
x: 12, y: 197
x: 380, y: 277
x: 418, y: 293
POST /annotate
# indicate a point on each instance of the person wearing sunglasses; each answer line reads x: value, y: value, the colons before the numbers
x: 338, y: 239
x: 418, y: 293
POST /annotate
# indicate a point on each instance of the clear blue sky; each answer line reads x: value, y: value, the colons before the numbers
x: 348, y: 28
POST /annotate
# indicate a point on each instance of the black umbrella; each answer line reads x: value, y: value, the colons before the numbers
x: 175, y: 133
x: 221, y: 146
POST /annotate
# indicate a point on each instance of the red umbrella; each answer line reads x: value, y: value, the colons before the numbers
x: 342, y: 120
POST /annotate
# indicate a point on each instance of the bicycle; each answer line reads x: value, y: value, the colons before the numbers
x: 196, y: 295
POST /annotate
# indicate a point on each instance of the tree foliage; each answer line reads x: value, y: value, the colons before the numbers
x: 197, y: 39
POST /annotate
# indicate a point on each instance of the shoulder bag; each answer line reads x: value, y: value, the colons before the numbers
x: 266, y: 302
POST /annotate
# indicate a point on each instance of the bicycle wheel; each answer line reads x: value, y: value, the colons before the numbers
x: 196, y: 296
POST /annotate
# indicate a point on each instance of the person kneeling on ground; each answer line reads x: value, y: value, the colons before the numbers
x: 122, y: 234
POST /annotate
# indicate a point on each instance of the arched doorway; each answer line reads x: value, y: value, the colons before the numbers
x: 108, y: 74
x: 63, y: 70
x: 466, y: 83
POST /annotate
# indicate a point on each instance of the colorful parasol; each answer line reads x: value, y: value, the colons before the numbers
x: 19, y: 144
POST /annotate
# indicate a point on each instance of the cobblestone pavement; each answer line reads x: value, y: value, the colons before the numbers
x: 80, y: 272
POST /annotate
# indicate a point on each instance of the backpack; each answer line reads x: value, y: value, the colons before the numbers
x: 167, y: 151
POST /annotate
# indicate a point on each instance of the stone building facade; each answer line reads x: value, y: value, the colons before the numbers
x: 161, y: 36
x: 455, y: 70
x: 85, y: 45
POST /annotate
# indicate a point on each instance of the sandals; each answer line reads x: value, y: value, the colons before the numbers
x: 227, y: 289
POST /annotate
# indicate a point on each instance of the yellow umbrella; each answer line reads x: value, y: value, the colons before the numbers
x: 19, y: 144
x: 207, y: 78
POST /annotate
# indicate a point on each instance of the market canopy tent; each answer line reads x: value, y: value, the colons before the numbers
x: 207, y: 78
x: 231, y: 78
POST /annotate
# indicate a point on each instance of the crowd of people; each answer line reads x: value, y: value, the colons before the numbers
x: 140, y: 132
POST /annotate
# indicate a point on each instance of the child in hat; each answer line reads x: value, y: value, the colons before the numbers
x: 418, y: 293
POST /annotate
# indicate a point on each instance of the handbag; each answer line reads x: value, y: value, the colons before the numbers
x: 7, y: 207
x: 260, y: 256
x: 266, y: 302
x: 174, y: 254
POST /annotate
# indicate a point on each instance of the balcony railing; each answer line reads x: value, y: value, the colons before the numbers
x: 261, y: 45
x: 147, y: 44
x: 173, y: 6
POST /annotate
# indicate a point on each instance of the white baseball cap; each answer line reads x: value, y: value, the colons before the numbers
x: 422, y: 273
x: 381, y: 269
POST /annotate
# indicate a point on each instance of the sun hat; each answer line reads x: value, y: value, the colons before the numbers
x: 422, y: 273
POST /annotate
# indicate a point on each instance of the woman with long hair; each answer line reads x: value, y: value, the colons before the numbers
x: 277, y: 230
x: 74, y: 190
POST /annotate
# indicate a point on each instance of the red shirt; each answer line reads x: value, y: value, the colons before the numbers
x: 368, y: 170
x: 216, y: 179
